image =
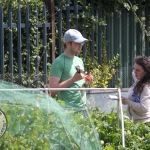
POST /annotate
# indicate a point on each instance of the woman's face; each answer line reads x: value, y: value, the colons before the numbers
x: 139, y: 71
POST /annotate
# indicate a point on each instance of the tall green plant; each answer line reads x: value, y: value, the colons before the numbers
x: 104, y: 72
x: 137, y: 136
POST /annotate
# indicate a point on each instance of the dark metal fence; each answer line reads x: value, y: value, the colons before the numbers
x: 19, y: 25
x: 123, y: 34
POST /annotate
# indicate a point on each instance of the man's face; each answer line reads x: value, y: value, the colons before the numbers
x: 75, y: 47
x: 139, y: 71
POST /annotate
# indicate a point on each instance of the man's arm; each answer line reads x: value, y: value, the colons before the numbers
x: 54, y: 82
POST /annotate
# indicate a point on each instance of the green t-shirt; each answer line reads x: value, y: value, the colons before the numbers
x: 64, y: 68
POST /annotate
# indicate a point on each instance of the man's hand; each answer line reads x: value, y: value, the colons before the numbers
x: 88, y: 79
x: 78, y: 76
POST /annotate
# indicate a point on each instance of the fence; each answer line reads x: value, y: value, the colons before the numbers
x: 19, y: 25
x: 122, y: 32
x: 42, y: 80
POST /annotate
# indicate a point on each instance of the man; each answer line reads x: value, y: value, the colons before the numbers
x: 63, y: 72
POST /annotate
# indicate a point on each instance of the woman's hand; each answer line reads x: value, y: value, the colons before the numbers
x: 124, y: 100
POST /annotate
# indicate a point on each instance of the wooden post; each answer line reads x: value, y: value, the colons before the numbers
x: 50, y: 6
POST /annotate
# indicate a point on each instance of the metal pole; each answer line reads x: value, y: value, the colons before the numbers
x: 62, y: 89
x: 51, y: 8
x: 122, y: 119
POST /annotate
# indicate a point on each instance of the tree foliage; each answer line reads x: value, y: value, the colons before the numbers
x: 36, y: 52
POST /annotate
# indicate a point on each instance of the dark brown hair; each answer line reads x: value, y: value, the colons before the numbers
x: 144, y: 62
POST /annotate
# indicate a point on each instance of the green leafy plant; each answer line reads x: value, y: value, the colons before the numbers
x: 38, y: 122
x: 136, y: 136
x: 102, y: 73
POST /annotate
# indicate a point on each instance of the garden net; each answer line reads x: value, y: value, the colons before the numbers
x: 36, y: 121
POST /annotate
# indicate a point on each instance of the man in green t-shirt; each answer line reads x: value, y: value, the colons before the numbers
x: 63, y: 73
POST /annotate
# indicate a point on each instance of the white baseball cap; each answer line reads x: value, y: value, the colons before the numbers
x: 73, y: 35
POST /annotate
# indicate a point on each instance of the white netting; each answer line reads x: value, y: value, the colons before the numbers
x: 37, y: 121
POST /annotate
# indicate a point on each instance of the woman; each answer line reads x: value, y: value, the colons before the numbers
x: 138, y: 99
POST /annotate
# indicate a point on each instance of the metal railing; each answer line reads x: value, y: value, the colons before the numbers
x: 23, y: 32
x: 42, y: 80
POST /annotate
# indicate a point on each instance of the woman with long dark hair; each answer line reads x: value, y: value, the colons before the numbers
x: 138, y: 99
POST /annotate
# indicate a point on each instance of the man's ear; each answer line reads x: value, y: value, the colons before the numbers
x: 68, y: 43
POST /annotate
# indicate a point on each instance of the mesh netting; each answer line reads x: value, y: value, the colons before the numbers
x: 36, y: 121
x: 126, y: 76
x: 41, y: 80
x: 32, y: 80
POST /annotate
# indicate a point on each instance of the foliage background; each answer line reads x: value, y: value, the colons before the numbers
x: 137, y: 136
x: 108, y: 67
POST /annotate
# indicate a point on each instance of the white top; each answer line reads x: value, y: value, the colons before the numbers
x: 139, y: 111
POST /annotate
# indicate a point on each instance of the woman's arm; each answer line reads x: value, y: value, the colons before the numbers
x: 144, y: 105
